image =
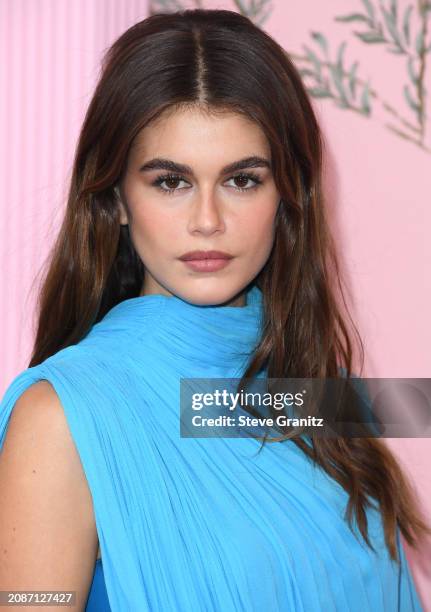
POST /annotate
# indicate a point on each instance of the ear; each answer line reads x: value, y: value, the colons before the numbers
x: 123, y: 212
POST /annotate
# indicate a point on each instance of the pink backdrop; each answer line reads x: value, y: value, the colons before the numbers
x: 378, y: 168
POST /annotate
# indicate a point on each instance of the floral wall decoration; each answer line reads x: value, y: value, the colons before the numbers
x: 385, y: 25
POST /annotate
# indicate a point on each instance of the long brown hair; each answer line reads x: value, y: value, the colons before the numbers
x: 219, y: 60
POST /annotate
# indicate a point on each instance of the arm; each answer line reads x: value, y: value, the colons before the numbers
x: 48, y: 537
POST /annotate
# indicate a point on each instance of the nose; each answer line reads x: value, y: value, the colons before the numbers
x: 206, y: 215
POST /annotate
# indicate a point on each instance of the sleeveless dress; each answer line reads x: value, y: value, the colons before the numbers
x: 203, y: 524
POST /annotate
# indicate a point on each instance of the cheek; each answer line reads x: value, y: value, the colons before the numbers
x: 258, y: 227
x: 155, y: 227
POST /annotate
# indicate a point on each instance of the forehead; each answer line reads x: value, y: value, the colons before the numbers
x: 193, y: 134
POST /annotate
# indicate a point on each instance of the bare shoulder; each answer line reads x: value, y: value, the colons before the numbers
x: 37, y: 433
x: 38, y: 404
x: 47, y: 527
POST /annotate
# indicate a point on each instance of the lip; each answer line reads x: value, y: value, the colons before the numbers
x: 206, y: 261
x: 204, y: 255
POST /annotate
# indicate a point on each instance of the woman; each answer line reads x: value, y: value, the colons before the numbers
x: 199, y: 137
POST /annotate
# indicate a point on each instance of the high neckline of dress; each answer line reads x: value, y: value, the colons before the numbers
x: 253, y: 302
x: 141, y: 303
x: 207, y: 334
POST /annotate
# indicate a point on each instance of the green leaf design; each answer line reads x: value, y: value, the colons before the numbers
x: 354, y: 17
x: 413, y: 105
x: 241, y: 8
x: 411, y: 71
x: 392, y: 26
x: 326, y: 84
x: 396, y: 50
x: 340, y: 55
x: 259, y: 22
x: 319, y: 92
x: 254, y: 10
x: 406, y: 23
x: 371, y: 37
x: 399, y: 132
x: 395, y: 27
x: 315, y: 61
x: 342, y: 103
x: 168, y: 6
x: 352, y: 79
x: 369, y: 8
x: 306, y: 72
x: 365, y: 100
x: 337, y: 77
x: 419, y: 44
x: 321, y: 40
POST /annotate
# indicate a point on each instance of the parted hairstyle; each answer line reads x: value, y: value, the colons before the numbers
x: 218, y: 60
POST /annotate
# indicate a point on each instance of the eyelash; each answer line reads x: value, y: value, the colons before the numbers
x: 249, y: 175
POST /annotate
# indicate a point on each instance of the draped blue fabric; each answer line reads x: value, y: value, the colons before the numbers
x: 203, y: 524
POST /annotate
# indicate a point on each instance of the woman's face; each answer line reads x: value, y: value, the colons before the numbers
x: 179, y: 196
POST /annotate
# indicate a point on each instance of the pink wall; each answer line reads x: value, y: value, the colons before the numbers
x: 379, y: 182
x: 53, y: 50
x: 379, y: 185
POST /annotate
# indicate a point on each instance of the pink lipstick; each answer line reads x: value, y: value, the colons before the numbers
x: 206, y: 261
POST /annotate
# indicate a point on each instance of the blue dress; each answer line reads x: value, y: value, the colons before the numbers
x: 98, y: 597
x: 203, y: 524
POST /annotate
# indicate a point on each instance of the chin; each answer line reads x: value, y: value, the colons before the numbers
x: 212, y: 297
x: 199, y: 300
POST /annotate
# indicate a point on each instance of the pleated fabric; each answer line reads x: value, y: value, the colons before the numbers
x: 203, y: 524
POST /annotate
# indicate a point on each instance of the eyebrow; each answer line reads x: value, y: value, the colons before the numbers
x: 159, y: 163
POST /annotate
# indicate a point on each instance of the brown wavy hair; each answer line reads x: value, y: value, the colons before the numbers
x: 219, y: 60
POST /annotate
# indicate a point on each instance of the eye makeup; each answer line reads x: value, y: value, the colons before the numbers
x: 250, y: 176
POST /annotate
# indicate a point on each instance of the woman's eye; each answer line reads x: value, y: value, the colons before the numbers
x: 171, y: 181
x: 243, y: 179
x: 241, y: 182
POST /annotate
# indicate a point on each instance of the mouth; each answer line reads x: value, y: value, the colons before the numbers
x: 199, y: 255
x: 206, y: 261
